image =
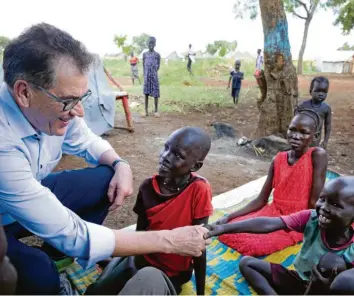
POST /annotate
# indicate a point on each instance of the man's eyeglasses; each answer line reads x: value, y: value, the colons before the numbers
x: 68, y: 103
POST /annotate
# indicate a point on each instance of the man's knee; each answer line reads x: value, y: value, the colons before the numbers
x: 105, y: 173
x: 147, y: 281
x: 37, y: 273
x: 343, y: 284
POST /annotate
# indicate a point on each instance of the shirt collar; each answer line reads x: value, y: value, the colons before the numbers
x: 16, y: 119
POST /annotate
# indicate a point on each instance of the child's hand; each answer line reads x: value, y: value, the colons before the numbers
x: 214, y: 230
x: 321, y: 282
x: 222, y: 220
x: 323, y: 145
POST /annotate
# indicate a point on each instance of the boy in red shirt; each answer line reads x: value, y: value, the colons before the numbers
x: 173, y: 198
x: 177, y: 197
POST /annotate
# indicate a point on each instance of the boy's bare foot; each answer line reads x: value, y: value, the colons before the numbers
x: 157, y: 114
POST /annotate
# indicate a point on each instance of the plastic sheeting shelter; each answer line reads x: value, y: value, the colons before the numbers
x: 100, y: 106
x: 340, y: 62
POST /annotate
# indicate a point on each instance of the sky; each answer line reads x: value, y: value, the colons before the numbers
x: 175, y: 24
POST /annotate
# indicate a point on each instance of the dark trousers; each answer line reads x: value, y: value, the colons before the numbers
x: 235, y: 93
x: 84, y: 192
x: 189, y: 64
x: 121, y: 277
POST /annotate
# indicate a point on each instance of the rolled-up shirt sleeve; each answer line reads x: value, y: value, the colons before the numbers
x: 37, y: 209
x: 81, y: 141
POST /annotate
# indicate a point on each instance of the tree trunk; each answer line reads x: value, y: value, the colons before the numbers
x: 304, y: 38
x: 277, y: 110
x: 303, y: 46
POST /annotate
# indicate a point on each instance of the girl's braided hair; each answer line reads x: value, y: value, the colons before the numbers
x: 310, y: 113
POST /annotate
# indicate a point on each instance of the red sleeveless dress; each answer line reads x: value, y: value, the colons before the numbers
x: 292, y: 188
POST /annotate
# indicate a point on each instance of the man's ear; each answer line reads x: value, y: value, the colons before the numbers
x: 22, y: 93
x: 197, y: 166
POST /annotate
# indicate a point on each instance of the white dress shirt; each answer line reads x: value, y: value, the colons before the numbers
x: 259, y: 62
x: 26, y: 158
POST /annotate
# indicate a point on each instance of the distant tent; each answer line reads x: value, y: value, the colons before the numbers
x: 207, y: 55
x: 101, y: 105
x: 217, y: 54
x: 238, y: 55
x: 199, y: 55
x: 174, y: 56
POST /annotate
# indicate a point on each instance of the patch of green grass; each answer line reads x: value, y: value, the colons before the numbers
x: 183, y: 99
x: 175, y: 72
x: 182, y: 93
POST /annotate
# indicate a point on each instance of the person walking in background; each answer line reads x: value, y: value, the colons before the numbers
x: 134, y: 67
x: 191, y: 59
x: 259, y: 63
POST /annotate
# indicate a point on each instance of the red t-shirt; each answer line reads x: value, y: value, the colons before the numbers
x: 166, y: 212
x: 133, y: 60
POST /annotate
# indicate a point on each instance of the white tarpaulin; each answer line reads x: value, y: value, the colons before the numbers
x: 100, y: 107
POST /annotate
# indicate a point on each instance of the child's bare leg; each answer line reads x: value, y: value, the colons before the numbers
x: 343, y: 283
x: 146, y: 105
x: 156, y: 106
x: 258, y: 273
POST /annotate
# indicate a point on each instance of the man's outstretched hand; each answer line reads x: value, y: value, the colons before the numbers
x: 188, y: 240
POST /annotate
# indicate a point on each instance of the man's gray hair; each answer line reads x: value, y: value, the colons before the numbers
x: 32, y: 55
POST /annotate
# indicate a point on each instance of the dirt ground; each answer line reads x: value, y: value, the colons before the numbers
x: 224, y: 167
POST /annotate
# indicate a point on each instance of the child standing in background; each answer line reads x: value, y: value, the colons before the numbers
x: 319, y: 91
x: 134, y: 67
x: 236, y: 76
x: 151, y: 64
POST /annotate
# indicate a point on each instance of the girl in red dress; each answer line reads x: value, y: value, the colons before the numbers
x: 297, y: 177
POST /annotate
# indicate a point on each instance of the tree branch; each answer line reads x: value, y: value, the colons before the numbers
x: 303, y: 4
x: 300, y: 16
x: 311, y: 5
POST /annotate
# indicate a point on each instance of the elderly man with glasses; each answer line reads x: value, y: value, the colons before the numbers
x: 45, y: 74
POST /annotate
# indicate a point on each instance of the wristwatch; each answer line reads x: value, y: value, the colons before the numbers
x: 114, y: 163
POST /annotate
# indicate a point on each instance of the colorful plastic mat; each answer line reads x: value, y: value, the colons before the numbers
x: 222, y: 274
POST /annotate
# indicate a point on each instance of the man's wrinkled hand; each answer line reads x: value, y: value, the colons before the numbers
x: 121, y: 185
x: 188, y: 241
